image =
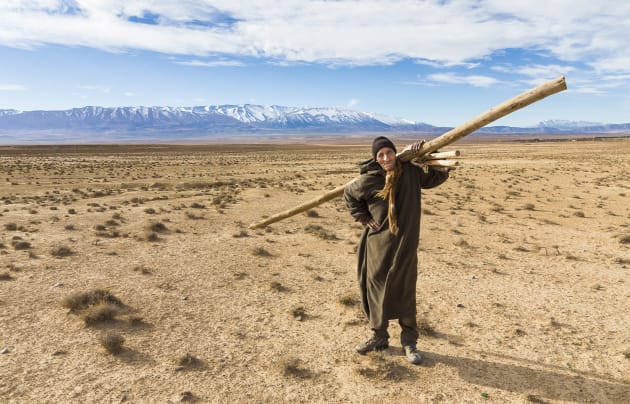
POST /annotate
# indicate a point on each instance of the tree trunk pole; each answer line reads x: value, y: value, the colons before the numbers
x: 520, y: 101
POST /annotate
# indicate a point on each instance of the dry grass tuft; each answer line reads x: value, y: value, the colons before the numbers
x: 320, y: 232
x: 112, y: 342
x: 61, y: 251
x: 189, y: 362
x: 261, y: 252
x: 349, y: 299
x: 5, y: 276
x: 21, y: 245
x: 312, y: 213
x: 425, y: 328
x: 100, y: 313
x: 625, y: 239
x: 142, y: 269
x: 293, y: 367
x: 79, y: 301
x: 462, y: 243
x: 278, y: 287
x: 242, y: 233
x: 157, y: 227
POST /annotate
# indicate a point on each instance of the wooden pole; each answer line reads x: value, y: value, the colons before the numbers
x: 520, y: 101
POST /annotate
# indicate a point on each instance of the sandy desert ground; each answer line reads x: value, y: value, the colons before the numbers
x: 523, y: 292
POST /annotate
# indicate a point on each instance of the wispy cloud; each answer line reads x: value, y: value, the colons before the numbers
x: 344, y: 31
x: 12, y: 87
x: 472, y: 80
x: 214, y: 63
x: 353, y: 103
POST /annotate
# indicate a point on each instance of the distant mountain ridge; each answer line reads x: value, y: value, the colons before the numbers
x: 225, y: 120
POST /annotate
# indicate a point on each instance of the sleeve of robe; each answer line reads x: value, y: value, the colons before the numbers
x: 355, y: 202
x: 432, y: 178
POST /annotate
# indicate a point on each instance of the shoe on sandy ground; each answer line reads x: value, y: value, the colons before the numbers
x: 373, y: 344
x: 412, y: 354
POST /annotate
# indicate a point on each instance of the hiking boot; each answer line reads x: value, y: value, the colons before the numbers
x: 373, y: 344
x: 412, y: 354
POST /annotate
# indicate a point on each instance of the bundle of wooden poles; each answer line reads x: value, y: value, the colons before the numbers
x: 428, y: 154
x: 438, y: 160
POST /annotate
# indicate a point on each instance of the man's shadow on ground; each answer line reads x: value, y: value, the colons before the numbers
x: 554, y: 382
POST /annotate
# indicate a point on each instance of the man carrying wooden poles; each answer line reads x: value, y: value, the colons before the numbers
x: 386, y: 200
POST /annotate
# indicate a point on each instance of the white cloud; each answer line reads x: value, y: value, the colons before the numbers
x: 12, y: 87
x: 214, y: 63
x: 348, y: 32
x: 472, y: 80
x: 130, y: 94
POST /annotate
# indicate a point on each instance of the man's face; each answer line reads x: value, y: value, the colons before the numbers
x: 386, y: 157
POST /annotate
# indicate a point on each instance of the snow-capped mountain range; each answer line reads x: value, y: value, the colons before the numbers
x: 231, y: 120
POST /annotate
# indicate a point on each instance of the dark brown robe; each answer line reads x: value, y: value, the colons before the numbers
x: 388, y: 264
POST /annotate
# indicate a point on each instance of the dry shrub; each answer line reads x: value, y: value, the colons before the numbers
x: 261, y: 252
x: 188, y: 362
x: 348, y: 299
x: 5, y: 276
x: 10, y: 226
x: 529, y: 206
x: 293, y: 367
x: 312, y: 213
x: 320, y: 232
x: 462, y: 243
x: 157, y: 227
x: 82, y: 300
x: 142, y: 269
x: 100, y: 313
x: 112, y: 342
x: 152, y: 236
x: 277, y: 286
x: 625, y: 239
x: 425, y: 328
x: 61, y: 251
x: 21, y: 245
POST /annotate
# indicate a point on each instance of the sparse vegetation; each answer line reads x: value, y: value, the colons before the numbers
x: 81, y: 300
x: 261, y: 252
x: 112, y: 342
x: 293, y: 367
x: 189, y: 362
x: 61, y: 251
x: 348, y: 299
x: 207, y: 291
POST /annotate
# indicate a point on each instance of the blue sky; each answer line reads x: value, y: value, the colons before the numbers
x: 439, y: 62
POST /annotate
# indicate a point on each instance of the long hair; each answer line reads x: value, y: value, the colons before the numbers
x: 388, y: 193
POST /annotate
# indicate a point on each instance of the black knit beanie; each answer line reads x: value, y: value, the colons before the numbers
x: 381, y: 142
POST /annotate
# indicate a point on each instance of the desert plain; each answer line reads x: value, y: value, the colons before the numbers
x: 128, y: 273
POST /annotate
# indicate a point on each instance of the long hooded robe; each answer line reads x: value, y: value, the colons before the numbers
x: 387, y: 263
